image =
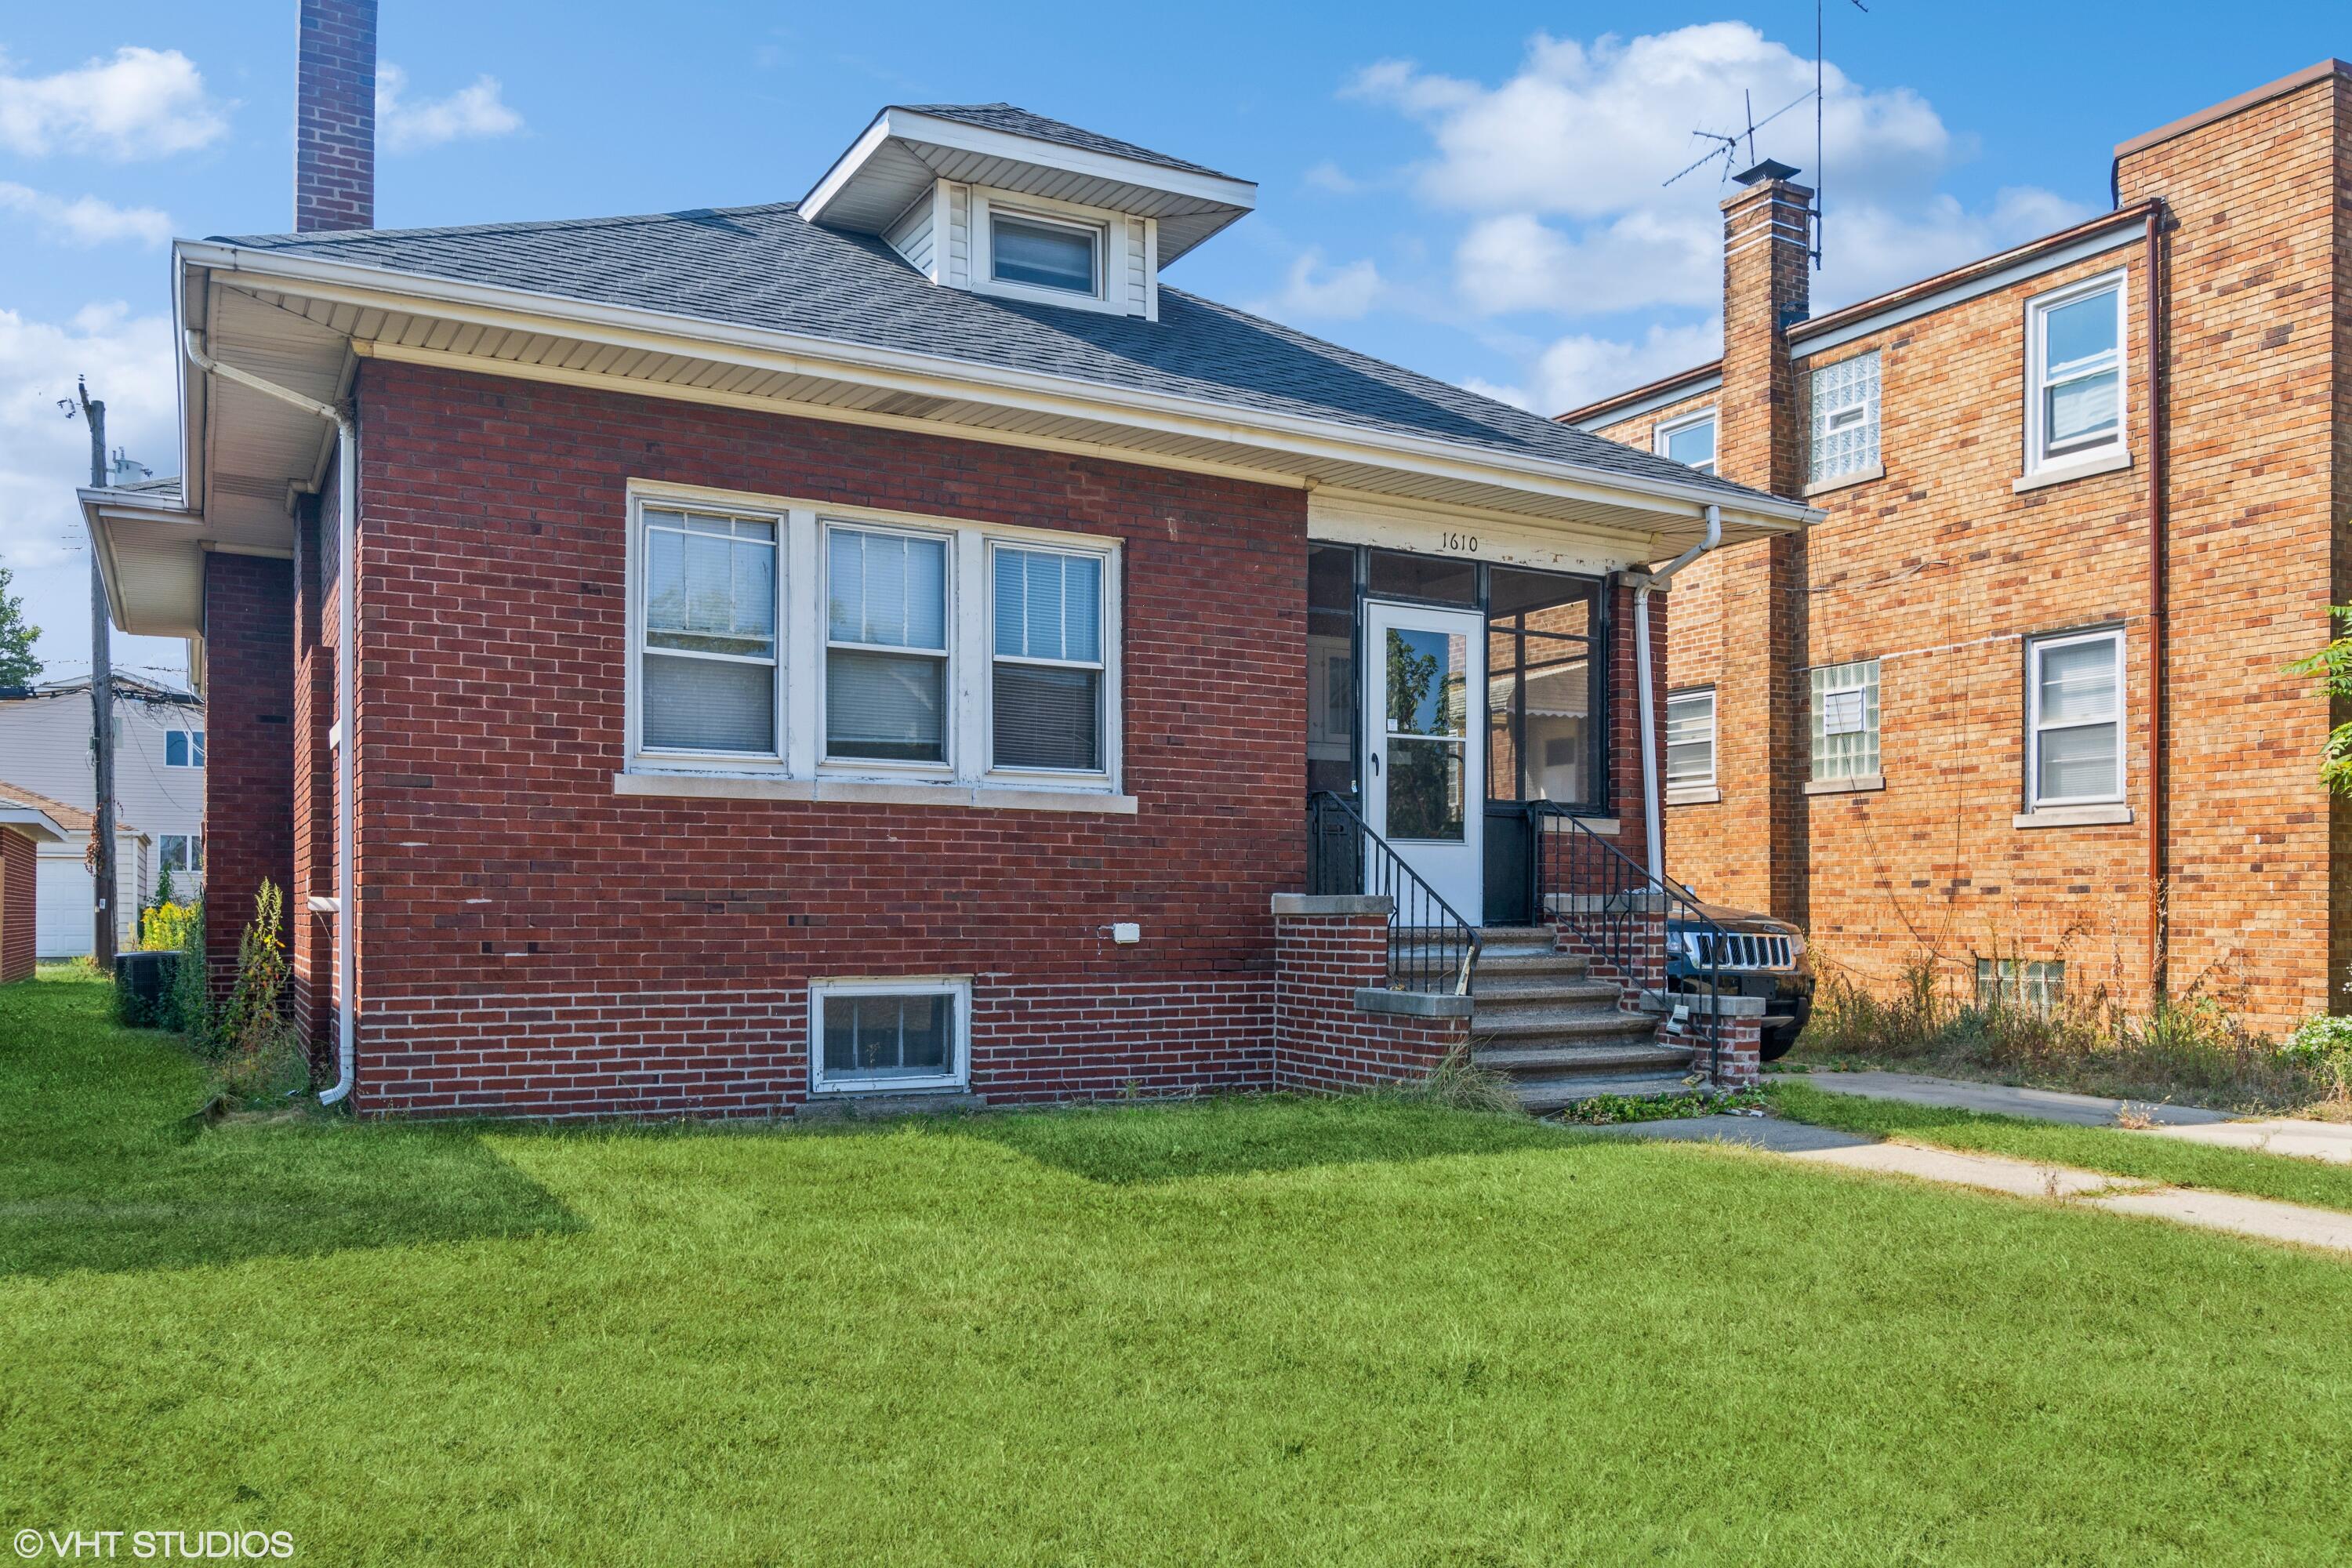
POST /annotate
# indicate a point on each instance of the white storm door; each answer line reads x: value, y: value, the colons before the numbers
x: 1424, y: 735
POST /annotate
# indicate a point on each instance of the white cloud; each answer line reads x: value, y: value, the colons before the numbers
x: 143, y: 103
x: 1315, y: 289
x: 1579, y: 368
x: 43, y: 456
x: 1517, y: 262
x: 1329, y: 177
x: 468, y: 115
x: 86, y: 220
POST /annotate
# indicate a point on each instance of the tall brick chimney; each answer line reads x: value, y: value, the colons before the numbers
x: 1760, y: 440
x: 334, y: 117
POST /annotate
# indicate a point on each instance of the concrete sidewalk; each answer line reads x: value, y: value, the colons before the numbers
x: 2001, y: 1099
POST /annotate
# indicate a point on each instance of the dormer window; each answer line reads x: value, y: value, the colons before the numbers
x: 1041, y: 255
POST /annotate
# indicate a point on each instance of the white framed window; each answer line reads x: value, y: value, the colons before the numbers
x: 1690, y: 740
x: 2073, y: 719
x: 2074, y: 373
x: 1845, y: 418
x: 1043, y: 252
x: 887, y: 656
x: 181, y: 852
x: 890, y: 1035
x: 1689, y: 440
x: 1046, y: 685
x: 804, y: 647
x: 2036, y: 984
x: 1845, y: 719
x: 184, y: 748
x: 704, y: 626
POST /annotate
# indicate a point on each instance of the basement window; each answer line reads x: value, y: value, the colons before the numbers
x: 2038, y: 985
x: 869, y: 1034
x: 2075, y: 375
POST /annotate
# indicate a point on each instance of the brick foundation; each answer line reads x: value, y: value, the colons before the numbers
x: 1326, y: 950
x: 1736, y: 1053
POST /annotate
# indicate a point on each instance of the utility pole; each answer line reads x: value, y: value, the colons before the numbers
x: 102, y: 707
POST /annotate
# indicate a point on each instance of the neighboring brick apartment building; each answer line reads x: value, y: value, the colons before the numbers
x: 855, y: 645
x: 2020, y: 699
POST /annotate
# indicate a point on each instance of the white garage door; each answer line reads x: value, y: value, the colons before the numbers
x: 62, y: 928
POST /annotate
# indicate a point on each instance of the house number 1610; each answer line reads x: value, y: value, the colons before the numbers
x: 1467, y: 542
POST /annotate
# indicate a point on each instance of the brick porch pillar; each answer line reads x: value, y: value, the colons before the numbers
x: 249, y: 747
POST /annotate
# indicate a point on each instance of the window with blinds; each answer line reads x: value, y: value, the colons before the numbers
x: 1690, y: 741
x: 1846, y: 721
x: 886, y: 652
x: 1845, y: 418
x: 1047, y: 687
x: 709, y: 680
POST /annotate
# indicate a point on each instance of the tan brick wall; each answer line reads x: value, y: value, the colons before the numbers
x: 1940, y: 570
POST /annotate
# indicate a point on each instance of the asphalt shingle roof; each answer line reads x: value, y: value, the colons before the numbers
x: 1019, y: 121
x: 766, y: 268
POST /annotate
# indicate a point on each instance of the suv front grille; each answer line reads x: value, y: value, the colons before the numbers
x: 1739, y: 950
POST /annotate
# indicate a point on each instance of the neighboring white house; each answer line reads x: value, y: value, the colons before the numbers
x: 159, y: 793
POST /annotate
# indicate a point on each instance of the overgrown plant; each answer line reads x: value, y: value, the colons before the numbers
x: 261, y: 1058
x: 2324, y: 1045
x: 1461, y: 1084
x: 2333, y: 665
x: 188, y: 1004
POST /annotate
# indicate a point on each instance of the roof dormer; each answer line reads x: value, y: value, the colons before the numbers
x: 999, y: 201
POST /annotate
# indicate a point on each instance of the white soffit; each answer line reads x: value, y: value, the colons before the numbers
x: 895, y: 162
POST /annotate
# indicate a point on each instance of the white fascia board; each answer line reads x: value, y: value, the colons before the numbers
x: 103, y: 511
x: 906, y: 125
x: 377, y: 288
x: 32, y: 821
x: 2125, y: 233
x: 1696, y: 384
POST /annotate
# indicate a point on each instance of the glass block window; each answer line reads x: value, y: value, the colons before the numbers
x: 2036, y: 984
x: 1845, y: 418
x: 1845, y: 719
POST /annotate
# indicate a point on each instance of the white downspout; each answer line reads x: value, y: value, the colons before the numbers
x: 346, y: 512
x: 1653, y: 804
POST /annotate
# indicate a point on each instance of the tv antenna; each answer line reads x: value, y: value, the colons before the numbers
x: 1728, y: 152
x: 1820, y: 178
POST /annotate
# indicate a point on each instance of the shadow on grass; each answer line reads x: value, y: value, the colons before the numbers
x: 103, y: 1164
x: 1243, y: 1134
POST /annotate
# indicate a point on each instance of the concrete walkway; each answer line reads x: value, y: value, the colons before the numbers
x: 2291, y: 1136
x: 2001, y: 1099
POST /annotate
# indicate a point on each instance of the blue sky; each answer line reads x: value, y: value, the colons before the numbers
x: 1472, y: 191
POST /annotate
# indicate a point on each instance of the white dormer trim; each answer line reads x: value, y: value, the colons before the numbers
x: 947, y: 236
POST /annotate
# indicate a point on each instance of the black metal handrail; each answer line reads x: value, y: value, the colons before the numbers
x: 1430, y: 946
x: 1619, y: 913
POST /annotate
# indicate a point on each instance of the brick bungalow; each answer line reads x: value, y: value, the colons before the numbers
x: 2018, y: 705
x: 884, y: 642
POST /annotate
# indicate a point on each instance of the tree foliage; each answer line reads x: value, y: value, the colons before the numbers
x: 19, y: 665
x: 2333, y: 665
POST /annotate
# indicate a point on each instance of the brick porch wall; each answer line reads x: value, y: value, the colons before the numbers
x: 1326, y: 951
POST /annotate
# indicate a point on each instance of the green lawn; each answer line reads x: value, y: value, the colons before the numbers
x: 1247, y: 1332
x: 2108, y: 1149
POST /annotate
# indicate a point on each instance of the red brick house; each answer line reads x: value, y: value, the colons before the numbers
x: 27, y: 821
x: 879, y: 643
x: 2018, y: 705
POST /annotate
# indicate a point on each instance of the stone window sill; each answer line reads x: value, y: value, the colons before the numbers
x: 1707, y: 797
x: 1859, y: 785
x: 2059, y: 473
x: 2073, y: 817
x: 1859, y: 477
x: 983, y: 797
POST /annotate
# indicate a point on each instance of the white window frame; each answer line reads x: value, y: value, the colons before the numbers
x: 801, y: 770
x: 193, y: 852
x: 1819, y: 424
x: 1106, y: 229
x: 957, y: 986
x: 1671, y: 428
x: 1675, y: 786
x: 688, y: 758
x: 194, y: 745
x: 1860, y: 675
x: 2103, y: 451
x: 1102, y: 666
x: 945, y: 653
x: 2034, y: 649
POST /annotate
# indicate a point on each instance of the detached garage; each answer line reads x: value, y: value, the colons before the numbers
x: 28, y: 823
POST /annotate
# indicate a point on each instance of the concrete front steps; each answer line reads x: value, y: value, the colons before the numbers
x: 1541, y: 1020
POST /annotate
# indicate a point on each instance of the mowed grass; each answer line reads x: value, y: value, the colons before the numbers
x: 1268, y: 1332
x: 2109, y: 1149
